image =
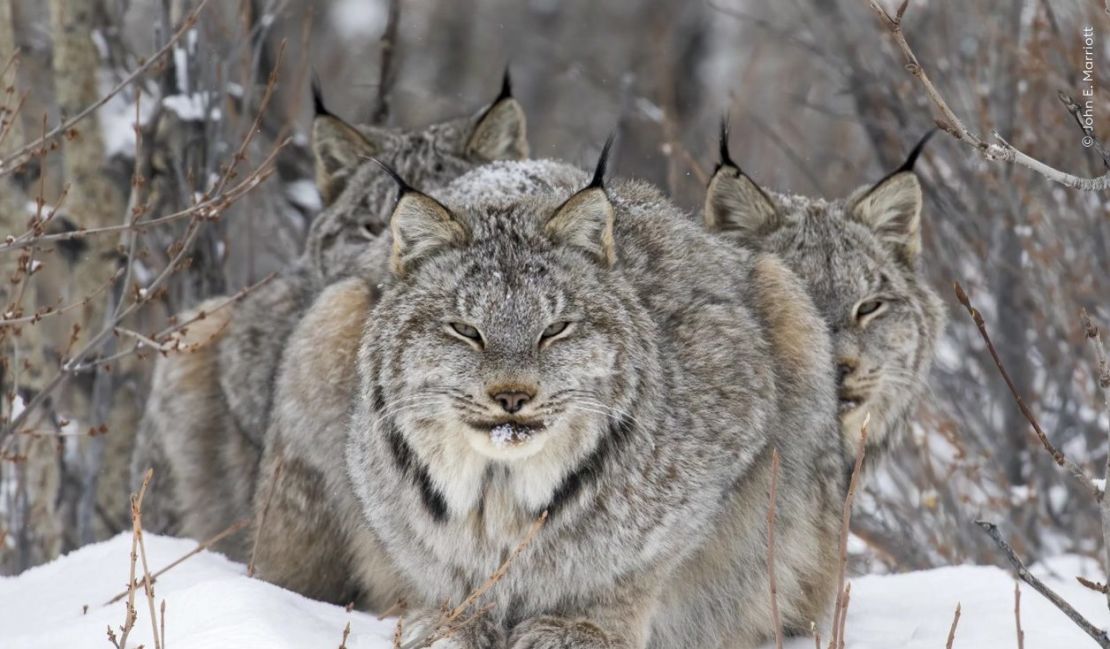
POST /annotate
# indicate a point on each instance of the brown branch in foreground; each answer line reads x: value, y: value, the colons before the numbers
x: 129, y: 612
x: 776, y: 620
x: 1057, y: 455
x: 1023, y: 574
x: 1093, y: 585
x: 1017, y: 615
x: 952, y: 629
x: 951, y: 124
x: 387, y: 72
x: 137, y: 529
x: 11, y: 161
x: 840, y: 612
x: 346, y: 634
x: 274, y: 478
x: 202, y: 546
x: 443, y: 628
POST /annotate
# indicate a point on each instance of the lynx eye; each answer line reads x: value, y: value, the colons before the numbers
x: 466, y: 331
x: 554, y: 329
x: 868, y: 307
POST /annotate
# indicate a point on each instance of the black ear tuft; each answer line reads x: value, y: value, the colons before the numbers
x: 598, y: 180
x: 726, y: 159
x: 506, y: 86
x: 318, y: 107
x: 402, y: 186
x: 912, y: 159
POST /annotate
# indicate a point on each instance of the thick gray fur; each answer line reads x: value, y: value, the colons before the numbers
x: 205, y: 424
x: 687, y: 362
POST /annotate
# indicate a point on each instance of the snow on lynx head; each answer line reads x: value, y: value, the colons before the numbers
x: 358, y: 195
x: 504, y: 332
x: 859, y: 257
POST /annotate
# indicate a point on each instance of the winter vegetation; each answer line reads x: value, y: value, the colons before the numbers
x: 154, y: 155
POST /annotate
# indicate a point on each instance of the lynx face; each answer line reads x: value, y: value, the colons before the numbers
x: 506, y: 335
x: 859, y: 258
x: 359, y: 194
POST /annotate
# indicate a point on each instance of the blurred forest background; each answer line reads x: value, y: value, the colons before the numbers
x: 820, y: 102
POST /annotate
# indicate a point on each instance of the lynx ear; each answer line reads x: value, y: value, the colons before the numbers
x: 339, y: 149
x: 892, y: 208
x: 734, y: 203
x: 585, y: 220
x: 499, y: 134
x: 420, y: 225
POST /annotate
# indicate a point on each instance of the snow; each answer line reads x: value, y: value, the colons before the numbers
x: 504, y: 435
x: 210, y: 602
x: 304, y: 193
x: 357, y: 20
x: 192, y: 107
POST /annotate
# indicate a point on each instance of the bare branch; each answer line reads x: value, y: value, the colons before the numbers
x: 204, y: 545
x: 275, y: 477
x: 776, y: 620
x: 1023, y: 573
x: 954, y: 126
x: 956, y: 617
x: 842, y: 592
x: 18, y: 157
x: 1102, y: 380
x: 1057, y: 455
x: 387, y: 69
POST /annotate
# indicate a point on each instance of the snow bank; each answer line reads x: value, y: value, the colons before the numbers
x: 210, y: 603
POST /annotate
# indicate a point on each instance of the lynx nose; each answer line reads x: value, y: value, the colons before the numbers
x: 512, y: 402
x: 843, y: 369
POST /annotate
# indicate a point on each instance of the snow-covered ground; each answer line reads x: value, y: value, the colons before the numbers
x: 210, y: 603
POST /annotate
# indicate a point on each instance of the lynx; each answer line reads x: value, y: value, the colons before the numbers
x: 860, y: 258
x: 206, y: 419
x: 545, y: 345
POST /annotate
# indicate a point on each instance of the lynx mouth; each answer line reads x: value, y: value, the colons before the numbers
x: 504, y: 434
x: 849, y: 402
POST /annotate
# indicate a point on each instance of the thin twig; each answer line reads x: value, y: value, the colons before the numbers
x: 137, y: 528
x: 129, y: 612
x: 951, y: 124
x: 776, y: 620
x: 1102, y: 380
x: 346, y: 634
x: 837, y: 634
x: 387, y: 68
x: 1017, y: 615
x: 443, y: 627
x: 201, y: 547
x: 1057, y: 455
x: 952, y: 629
x: 274, y: 478
x: 14, y: 159
x: 1023, y: 574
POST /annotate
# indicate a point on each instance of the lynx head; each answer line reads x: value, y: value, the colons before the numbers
x: 358, y: 195
x: 507, y: 334
x: 859, y: 257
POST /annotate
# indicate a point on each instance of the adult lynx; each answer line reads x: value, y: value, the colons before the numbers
x: 593, y: 355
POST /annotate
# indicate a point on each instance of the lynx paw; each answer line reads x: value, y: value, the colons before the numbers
x: 559, y: 633
x: 477, y: 633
